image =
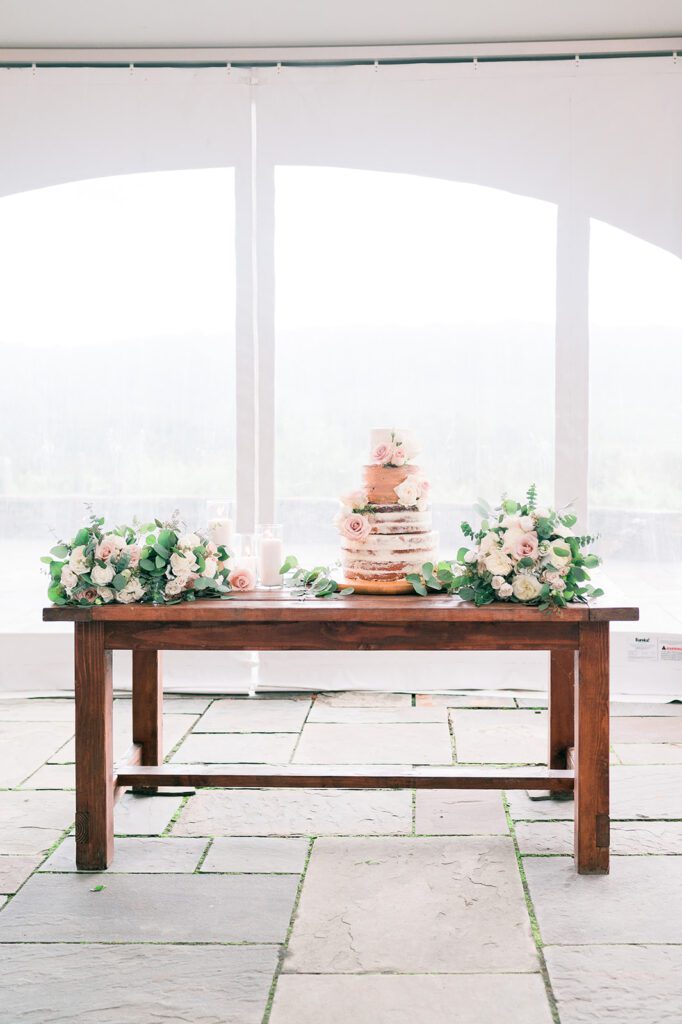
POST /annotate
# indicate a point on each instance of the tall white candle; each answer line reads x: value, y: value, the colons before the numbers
x: 271, y: 559
x: 221, y: 531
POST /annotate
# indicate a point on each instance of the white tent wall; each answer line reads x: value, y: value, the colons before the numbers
x: 598, y: 140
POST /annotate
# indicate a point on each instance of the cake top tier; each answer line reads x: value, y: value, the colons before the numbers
x: 392, y: 447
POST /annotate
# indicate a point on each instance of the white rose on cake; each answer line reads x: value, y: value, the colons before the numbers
x: 526, y: 587
x: 408, y: 492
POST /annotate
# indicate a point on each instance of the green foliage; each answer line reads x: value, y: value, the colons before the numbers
x: 316, y: 582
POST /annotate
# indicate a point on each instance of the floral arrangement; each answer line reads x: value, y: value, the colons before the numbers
x: 151, y: 562
x: 317, y: 582
x: 396, y: 452
x: 521, y: 553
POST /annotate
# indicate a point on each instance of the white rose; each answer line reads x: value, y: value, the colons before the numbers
x: 101, y: 575
x: 542, y: 513
x: 471, y: 556
x: 106, y: 593
x: 68, y: 577
x: 496, y: 582
x: 77, y: 561
x: 511, y: 538
x: 562, y: 531
x: 497, y: 563
x: 505, y: 590
x: 188, y: 541
x: 490, y: 543
x: 407, y: 492
x: 526, y: 587
x: 133, y: 591
x: 559, y: 560
x: 175, y: 587
x: 527, y: 523
x: 211, y: 568
x: 183, y: 564
x: 510, y: 522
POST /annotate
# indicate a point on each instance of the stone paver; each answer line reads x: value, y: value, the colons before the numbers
x: 628, y: 984
x: 374, y: 744
x: 52, y: 776
x: 137, y: 856
x: 376, y: 716
x: 460, y: 812
x: 264, y: 812
x: 639, y: 901
x: 254, y: 855
x: 259, y: 714
x: 236, y: 748
x: 636, y: 837
x: 31, y: 822
x: 144, y: 815
x: 174, y: 728
x: 364, y: 699
x: 24, y: 746
x: 647, y: 791
x: 173, y: 704
x: 37, y: 710
x: 15, y: 869
x: 649, y: 753
x: 411, y: 905
x: 623, y: 708
x: 80, y: 984
x: 646, y: 730
x: 517, y: 737
x: 147, y: 908
x: 405, y: 999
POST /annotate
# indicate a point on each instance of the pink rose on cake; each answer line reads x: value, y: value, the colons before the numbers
x: 355, y: 527
x: 382, y: 454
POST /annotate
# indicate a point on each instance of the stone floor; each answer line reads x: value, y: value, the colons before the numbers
x: 303, y: 907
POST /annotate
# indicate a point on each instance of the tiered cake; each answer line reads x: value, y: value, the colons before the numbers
x: 386, y: 527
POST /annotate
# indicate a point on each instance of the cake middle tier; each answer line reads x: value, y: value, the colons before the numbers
x: 380, y: 482
x: 389, y: 547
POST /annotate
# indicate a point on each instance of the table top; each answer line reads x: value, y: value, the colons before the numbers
x: 269, y: 606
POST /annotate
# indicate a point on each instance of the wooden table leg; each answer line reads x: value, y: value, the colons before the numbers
x: 148, y: 709
x: 561, y: 713
x: 592, y: 751
x: 94, y: 749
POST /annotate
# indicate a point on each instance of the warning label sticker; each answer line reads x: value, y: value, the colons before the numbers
x: 670, y: 648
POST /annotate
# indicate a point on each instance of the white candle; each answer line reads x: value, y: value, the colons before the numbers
x: 271, y: 558
x: 221, y: 531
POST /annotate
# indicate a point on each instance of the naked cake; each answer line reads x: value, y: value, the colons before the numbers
x: 386, y: 527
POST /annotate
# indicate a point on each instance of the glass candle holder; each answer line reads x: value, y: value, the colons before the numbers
x: 220, y: 522
x: 270, y: 547
x: 246, y: 557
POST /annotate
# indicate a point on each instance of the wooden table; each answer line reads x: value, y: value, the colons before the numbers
x: 577, y: 639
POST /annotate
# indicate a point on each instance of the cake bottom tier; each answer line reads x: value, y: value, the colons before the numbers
x: 369, y: 569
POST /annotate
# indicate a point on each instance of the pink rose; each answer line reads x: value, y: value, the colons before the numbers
x: 90, y: 594
x: 526, y: 546
x: 211, y: 548
x: 425, y: 486
x: 383, y: 454
x: 398, y: 458
x: 134, y: 551
x: 108, y: 546
x: 242, y: 578
x: 356, y: 527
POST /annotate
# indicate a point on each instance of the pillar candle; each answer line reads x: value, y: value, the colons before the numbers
x: 271, y: 558
x: 221, y: 531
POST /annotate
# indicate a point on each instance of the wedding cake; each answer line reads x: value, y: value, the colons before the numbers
x: 386, y: 526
